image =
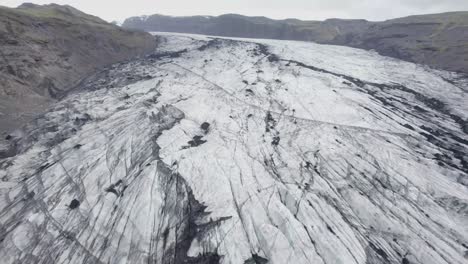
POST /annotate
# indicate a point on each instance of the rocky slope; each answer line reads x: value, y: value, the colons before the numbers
x: 46, y: 50
x: 244, y: 151
x: 439, y: 40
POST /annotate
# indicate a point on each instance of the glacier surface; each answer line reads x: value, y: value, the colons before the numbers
x: 218, y: 150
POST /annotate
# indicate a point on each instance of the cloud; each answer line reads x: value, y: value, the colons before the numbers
x: 303, y: 9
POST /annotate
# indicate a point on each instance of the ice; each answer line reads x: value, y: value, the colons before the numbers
x: 313, y: 154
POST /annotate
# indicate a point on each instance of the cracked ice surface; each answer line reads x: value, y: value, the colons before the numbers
x: 219, y: 150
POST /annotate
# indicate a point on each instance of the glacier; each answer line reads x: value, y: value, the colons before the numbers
x: 224, y: 150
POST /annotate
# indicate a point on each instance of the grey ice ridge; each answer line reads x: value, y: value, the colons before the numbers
x: 219, y: 150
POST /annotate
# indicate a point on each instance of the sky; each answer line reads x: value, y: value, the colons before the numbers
x: 374, y: 10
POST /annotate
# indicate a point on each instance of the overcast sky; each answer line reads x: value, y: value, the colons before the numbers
x: 303, y: 9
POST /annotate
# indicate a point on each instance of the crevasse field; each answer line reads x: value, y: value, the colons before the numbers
x: 217, y: 150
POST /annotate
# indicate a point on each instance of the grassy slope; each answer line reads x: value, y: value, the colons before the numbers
x: 46, y: 50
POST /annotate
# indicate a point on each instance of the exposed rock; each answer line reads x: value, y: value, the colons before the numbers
x: 256, y: 259
x: 74, y: 204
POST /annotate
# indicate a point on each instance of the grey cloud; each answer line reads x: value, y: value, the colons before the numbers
x: 303, y: 9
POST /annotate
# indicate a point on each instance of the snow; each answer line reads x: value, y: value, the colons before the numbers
x: 314, y: 154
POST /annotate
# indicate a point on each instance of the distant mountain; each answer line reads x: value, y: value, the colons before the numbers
x: 438, y: 40
x: 46, y: 50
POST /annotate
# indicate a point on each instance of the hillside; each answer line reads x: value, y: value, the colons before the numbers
x: 437, y: 40
x: 46, y: 50
x: 244, y: 151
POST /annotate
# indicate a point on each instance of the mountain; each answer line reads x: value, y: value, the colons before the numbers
x: 219, y: 150
x: 46, y: 50
x: 437, y: 40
